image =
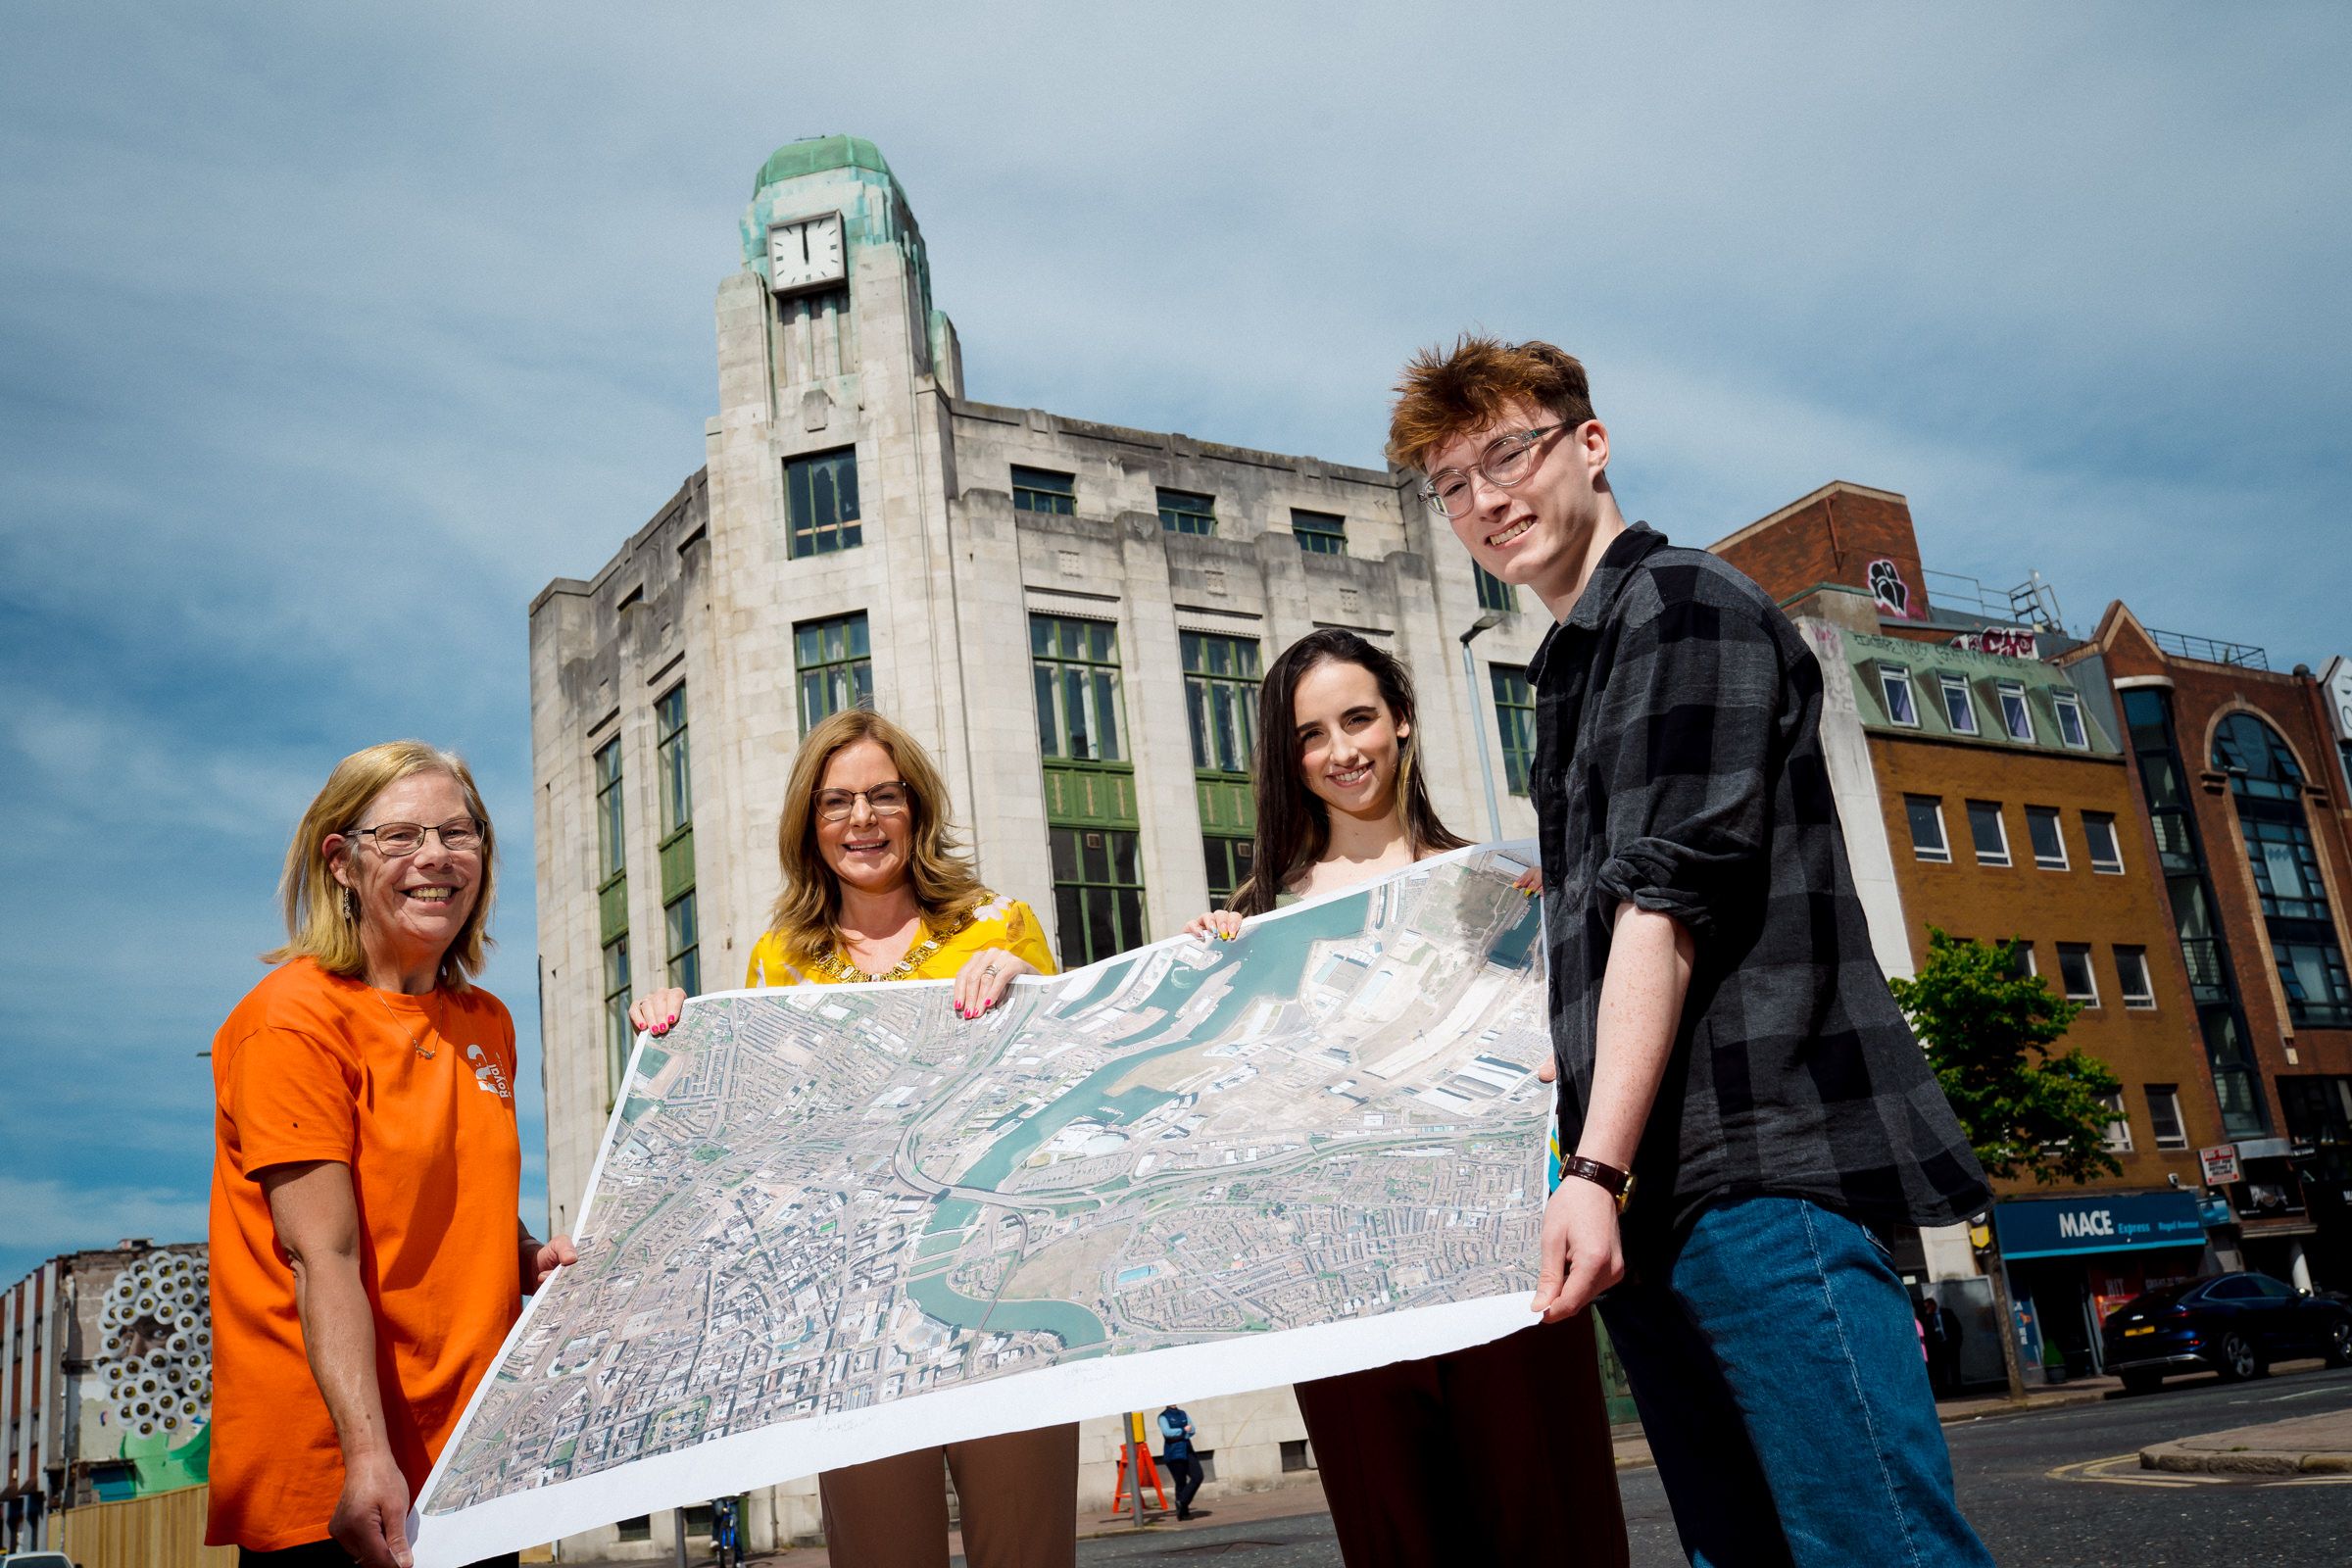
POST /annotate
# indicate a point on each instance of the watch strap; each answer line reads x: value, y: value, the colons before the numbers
x: 1618, y: 1183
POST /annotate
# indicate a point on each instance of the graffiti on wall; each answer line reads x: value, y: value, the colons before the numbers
x: 2011, y: 642
x: 147, y: 1400
x: 1892, y: 594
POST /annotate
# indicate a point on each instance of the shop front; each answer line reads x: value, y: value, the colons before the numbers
x: 2072, y: 1260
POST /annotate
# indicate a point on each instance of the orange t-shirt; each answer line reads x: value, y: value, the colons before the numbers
x: 313, y: 1066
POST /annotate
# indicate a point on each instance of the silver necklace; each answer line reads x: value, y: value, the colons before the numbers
x: 416, y: 1041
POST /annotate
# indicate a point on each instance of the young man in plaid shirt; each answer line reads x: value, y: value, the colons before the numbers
x: 1749, y: 1111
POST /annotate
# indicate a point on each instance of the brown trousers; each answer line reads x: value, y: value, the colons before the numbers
x: 1017, y: 1494
x: 1499, y: 1453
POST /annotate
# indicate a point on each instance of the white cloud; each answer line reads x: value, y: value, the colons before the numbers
x: 47, y: 1216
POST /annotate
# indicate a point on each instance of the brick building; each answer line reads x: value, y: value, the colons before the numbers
x: 2241, y: 775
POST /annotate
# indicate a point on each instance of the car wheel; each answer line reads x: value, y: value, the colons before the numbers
x: 2339, y: 1343
x: 2238, y: 1361
x: 2142, y: 1382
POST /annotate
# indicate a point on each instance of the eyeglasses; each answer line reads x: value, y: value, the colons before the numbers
x: 887, y: 799
x: 460, y: 835
x: 1505, y: 463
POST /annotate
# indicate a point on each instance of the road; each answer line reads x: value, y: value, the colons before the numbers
x: 2032, y: 1483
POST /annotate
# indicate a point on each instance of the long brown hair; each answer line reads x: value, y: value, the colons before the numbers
x: 808, y: 914
x: 322, y: 924
x: 1294, y: 825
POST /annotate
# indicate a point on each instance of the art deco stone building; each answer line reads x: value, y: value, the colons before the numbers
x: 1071, y: 615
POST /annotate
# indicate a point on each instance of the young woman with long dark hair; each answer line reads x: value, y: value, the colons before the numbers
x: 1499, y: 1454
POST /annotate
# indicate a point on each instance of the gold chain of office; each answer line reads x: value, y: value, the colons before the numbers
x: 836, y: 965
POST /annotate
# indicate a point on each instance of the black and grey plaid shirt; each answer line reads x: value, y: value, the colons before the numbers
x: 1679, y: 765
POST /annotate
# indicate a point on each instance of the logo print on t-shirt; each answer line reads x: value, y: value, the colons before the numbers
x: 487, y: 1077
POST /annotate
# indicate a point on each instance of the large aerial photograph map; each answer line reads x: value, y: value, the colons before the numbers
x: 823, y: 1204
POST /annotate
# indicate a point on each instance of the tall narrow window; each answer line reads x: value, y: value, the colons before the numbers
x: 619, y: 1035
x: 835, y: 666
x: 1928, y: 842
x: 613, y: 910
x: 1319, y: 533
x: 1220, y: 691
x: 2049, y: 844
x: 1092, y: 822
x: 2098, y: 831
x: 1229, y: 861
x: 1515, y: 719
x: 2076, y: 975
x: 2119, y: 1128
x: 821, y: 502
x: 1493, y: 593
x: 2132, y: 978
x: 674, y: 764
x: 2164, y: 1116
x: 1959, y: 708
x: 611, y: 854
x: 1985, y: 828
x: 1044, y: 490
x: 1894, y: 684
x: 2267, y: 783
x: 2016, y: 717
x: 1186, y: 511
x: 2072, y: 731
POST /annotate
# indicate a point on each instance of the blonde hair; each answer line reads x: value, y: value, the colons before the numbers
x: 322, y: 924
x: 807, y: 917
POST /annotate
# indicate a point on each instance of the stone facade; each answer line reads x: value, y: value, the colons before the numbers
x: 949, y: 568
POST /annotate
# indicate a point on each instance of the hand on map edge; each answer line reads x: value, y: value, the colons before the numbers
x: 1581, y: 1253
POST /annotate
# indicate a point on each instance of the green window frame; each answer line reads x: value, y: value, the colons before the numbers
x: 670, y: 761
x: 833, y: 661
x: 1515, y: 719
x: 683, y: 931
x: 1098, y: 891
x: 619, y: 1035
x: 1074, y: 668
x: 821, y: 502
x: 1186, y: 512
x: 1229, y: 859
x: 1492, y: 592
x: 1220, y: 699
x: 1319, y: 533
x: 612, y: 843
x: 1044, y: 490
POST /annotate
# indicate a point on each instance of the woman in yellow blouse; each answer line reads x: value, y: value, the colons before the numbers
x: 874, y: 889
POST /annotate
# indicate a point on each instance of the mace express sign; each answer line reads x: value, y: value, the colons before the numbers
x: 2127, y: 1222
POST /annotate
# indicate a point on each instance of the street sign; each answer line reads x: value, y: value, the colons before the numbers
x: 2221, y: 1165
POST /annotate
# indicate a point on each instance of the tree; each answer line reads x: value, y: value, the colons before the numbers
x: 1988, y: 1031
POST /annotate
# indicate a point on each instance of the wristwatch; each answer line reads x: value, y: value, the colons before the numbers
x: 1618, y: 1183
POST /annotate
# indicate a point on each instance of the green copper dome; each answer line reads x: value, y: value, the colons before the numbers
x: 818, y: 154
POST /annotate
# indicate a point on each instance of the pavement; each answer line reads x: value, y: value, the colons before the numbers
x: 2300, y: 1445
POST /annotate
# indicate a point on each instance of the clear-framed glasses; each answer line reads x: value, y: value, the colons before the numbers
x: 1506, y: 461
x: 460, y: 835
x: 886, y: 799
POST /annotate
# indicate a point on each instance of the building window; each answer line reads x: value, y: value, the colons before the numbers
x: 2287, y: 869
x: 1183, y: 512
x: 1959, y: 708
x: 2164, y: 1116
x: 1319, y: 533
x: 685, y: 943
x: 1097, y: 893
x: 619, y: 1035
x: 638, y: 1527
x: 671, y: 762
x: 2318, y: 994
x: 2049, y: 844
x: 2106, y: 853
x: 835, y: 666
x: 2257, y: 760
x: 2318, y: 1109
x: 2132, y: 977
x: 2016, y: 717
x: 1894, y: 684
x: 2119, y: 1129
x: 1492, y: 592
x: 1927, y: 827
x: 2074, y: 974
x: 2022, y: 962
x: 1044, y: 490
x: 1220, y: 694
x: 1515, y: 718
x: 821, y: 502
x: 612, y: 855
x: 1991, y: 838
x: 2071, y: 729
x: 1229, y: 861
x: 1075, y: 666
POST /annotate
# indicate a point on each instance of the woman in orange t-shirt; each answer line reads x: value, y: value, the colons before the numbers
x: 367, y: 1263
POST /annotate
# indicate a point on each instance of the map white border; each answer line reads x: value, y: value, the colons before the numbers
x: 1072, y: 1391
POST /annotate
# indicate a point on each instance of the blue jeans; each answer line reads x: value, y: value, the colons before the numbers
x: 1781, y: 1385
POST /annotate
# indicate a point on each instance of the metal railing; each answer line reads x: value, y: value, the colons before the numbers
x: 2212, y: 649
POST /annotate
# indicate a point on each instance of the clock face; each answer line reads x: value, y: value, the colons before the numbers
x: 805, y: 253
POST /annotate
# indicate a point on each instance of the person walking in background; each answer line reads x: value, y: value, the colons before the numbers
x: 1942, y: 1330
x: 1500, y: 1452
x: 874, y: 889
x: 1176, y: 1452
x: 1745, y: 1105
x: 366, y: 1261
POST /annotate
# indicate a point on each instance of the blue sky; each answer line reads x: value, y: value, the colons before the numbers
x: 328, y: 335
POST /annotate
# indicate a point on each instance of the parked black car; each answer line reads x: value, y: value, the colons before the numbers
x: 2236, y: 1324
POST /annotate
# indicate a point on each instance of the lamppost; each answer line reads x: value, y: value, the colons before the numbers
x: 1478, y: 731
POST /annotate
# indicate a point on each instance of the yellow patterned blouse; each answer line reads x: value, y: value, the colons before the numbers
x: 1005, y: 923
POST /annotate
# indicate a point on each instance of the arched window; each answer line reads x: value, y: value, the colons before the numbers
x: 2268, y: 786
